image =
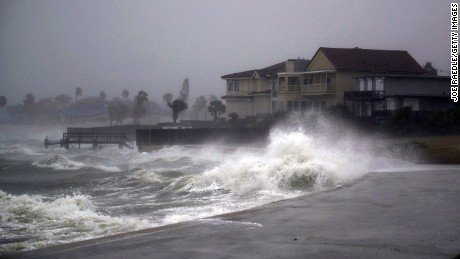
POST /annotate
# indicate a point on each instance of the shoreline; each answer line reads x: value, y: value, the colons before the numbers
x: 123, y: 235
x: 182, y: 224
x: 177, y: 225
x: 346, y: 202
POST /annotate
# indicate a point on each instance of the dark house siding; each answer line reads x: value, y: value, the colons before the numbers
x: 436, y: 87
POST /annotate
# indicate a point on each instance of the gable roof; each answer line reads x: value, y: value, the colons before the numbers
x: 270, y: 71
x: 372, y: 60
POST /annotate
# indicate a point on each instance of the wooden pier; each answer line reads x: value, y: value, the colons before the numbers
x: 95, y: 139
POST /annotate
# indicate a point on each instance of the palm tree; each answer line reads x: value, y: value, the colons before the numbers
x: 125, y: 94
x: 138, y: 108
x: 3, y: 101
x: 216, y: 108
x: 78, y: 92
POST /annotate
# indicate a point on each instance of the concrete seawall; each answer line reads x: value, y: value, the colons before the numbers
x: 146, y: 138
x: 410, y: 214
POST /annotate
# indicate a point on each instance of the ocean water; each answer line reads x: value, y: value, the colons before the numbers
x: 54, y: 196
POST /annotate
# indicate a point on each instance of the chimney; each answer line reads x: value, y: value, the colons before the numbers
x: 289, y: 66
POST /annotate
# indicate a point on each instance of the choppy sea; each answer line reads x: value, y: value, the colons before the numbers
x: 54, y: 196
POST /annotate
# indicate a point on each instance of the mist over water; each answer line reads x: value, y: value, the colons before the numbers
x: 52, y: 196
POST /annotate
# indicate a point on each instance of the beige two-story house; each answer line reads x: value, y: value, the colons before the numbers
x: 333, y: 71
x: 303, y: 85
x: 253, y: 93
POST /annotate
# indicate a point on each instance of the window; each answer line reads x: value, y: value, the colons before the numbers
x: 293, y: 80
x: 413, y: 103
x: 378, y: 106
x: 311, y: 79
x: 361, y: 84
x: 378, y: 84
x: 367, y: 109
x: 281, y: 106
x: 282, y: 80
x: 328, y: 79
x: 233, y: 86
x: 369, y: 84
x: 390, y: 104
x: 322, y: 78
x: 289, y: 106
x: 305, y: 80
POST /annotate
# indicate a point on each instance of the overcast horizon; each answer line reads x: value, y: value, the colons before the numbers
x: 52, y: 47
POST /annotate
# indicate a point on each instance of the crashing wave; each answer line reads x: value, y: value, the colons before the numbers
x: 293, y: 161
x: 66, y: 219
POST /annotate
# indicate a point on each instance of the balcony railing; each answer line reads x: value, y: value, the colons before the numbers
x: 318, y: 88
x: 363, y: 95
x: 289, y: 89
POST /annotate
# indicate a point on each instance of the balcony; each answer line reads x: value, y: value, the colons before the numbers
x: 289, y: 89
x: 319, y: 89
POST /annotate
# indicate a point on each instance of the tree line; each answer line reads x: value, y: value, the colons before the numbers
x: 117, y: 111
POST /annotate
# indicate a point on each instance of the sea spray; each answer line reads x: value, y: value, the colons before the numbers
x: 123, y: 190
x: 293, y: 161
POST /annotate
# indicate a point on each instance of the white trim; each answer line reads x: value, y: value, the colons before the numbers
x: 289, y: 73
x: 255, y: 73
x: 320, y: 71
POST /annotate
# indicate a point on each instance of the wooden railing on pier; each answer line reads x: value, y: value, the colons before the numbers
x: 95, y: 139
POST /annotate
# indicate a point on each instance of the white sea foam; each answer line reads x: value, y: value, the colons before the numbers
x: 149, y: 175
x: 220, y: 222
x: 293, y: 163
x: 58, y: 162
x: 65, y: 219
x: 176, y: 183
x: 61, y: 162
x: 18, y: 149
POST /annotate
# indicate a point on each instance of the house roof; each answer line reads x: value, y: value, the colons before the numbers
x: 270, y: 71
x: 417, y: 76
x: 372, y: 60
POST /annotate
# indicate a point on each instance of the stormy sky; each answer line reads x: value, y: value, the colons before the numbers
x: 51, y: 47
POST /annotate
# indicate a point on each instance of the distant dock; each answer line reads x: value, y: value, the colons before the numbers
x: 95, y: 139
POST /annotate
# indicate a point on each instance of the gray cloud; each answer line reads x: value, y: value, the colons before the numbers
x: 51, y: 47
